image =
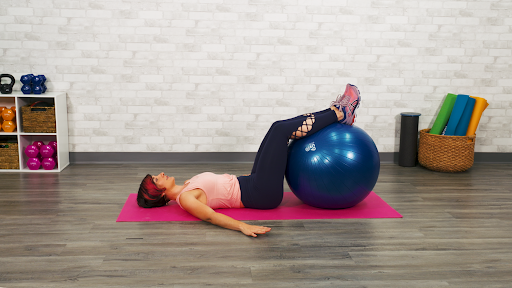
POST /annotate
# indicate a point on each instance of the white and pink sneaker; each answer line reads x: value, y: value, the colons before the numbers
x: 348, y: 103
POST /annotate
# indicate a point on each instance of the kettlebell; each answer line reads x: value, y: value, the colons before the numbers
x: 6, y: 88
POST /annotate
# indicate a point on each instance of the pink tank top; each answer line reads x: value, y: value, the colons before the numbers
x: 222, y: 191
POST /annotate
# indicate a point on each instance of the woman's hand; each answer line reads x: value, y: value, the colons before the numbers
x: 251, y: 230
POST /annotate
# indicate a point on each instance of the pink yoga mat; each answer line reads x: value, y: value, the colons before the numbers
x: 291, y: 208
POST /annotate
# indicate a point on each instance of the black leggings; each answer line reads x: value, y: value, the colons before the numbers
x: 263, y: 189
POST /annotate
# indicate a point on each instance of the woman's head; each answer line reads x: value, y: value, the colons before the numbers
x: 150, y: 195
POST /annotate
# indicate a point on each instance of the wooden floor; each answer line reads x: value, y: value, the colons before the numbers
x: 60, y: 230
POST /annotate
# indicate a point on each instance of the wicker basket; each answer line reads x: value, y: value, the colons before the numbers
x: 38, y: 119
x: 446, y: 153
x: 9, y: 157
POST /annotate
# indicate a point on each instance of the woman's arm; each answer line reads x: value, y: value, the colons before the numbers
x: 205, y: 213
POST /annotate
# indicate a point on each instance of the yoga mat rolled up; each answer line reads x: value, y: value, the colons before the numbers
x: 458, y: 109
x: 444, y: 114
x: 462, y: 127
x: 480, y: 105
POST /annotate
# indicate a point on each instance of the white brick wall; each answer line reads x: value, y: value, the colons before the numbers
x: 201, y: 75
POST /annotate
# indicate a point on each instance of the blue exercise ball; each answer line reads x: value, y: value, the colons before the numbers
x: 337, y: 167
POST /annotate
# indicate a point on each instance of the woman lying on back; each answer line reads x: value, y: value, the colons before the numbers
x: 263, y: 188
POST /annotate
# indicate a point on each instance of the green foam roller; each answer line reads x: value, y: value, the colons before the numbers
x: 444, y: 114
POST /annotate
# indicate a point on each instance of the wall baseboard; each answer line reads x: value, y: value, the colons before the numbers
x: 225, y: 157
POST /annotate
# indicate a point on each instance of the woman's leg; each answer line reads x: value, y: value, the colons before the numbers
x: 263, y: 189
x: 264, y: 142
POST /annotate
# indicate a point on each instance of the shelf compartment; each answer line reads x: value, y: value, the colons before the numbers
x: 8, y: 103
x: 37, y: 119
x: 9, y: 153
x: 27, y: 140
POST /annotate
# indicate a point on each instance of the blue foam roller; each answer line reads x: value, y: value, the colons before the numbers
x: 462, y: 127
x: 456, y: 114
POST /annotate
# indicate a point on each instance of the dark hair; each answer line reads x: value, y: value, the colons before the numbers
x: 149, y: 195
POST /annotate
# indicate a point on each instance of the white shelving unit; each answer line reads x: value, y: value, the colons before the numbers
x: 24, y: 139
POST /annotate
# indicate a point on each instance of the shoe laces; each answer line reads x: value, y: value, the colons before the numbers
x: 341, y: 100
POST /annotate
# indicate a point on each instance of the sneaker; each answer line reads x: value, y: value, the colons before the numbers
x: 348, y: 103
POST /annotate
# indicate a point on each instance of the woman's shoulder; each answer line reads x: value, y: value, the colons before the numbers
x: 195, y: 193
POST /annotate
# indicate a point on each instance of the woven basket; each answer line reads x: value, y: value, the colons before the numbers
x: 446, y: 153
x: 9, y: 157
x: 38, y: 119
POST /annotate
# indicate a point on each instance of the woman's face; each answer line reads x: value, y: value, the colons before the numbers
x: 163, y: 181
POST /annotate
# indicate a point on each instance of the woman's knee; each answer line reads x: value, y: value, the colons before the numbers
x: 275, y: 124
x: 279, y: 125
